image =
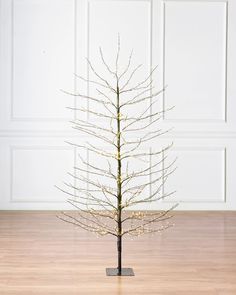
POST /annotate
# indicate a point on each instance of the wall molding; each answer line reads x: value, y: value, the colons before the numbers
x: 221, y: 199
x: 14, y: 148
x: 224, y: 110
x: 13, y: 117
x: 71, y: 133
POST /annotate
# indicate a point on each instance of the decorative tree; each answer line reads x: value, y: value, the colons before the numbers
x: 104, y: 208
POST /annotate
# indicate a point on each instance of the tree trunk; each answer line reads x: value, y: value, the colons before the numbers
x: 119, y: 249
x: 119, y: 192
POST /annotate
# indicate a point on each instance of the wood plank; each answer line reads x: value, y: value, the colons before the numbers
x: 40, y: 254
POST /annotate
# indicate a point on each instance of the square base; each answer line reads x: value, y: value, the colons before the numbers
x: 124, y: 272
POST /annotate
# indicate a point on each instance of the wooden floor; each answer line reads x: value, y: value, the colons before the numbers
x: 40, y: 254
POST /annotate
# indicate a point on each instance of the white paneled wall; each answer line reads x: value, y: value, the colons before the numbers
x: 195, y: 40
x: 43, y: 43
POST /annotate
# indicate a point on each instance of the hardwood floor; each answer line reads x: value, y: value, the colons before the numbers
x: 40, y: 254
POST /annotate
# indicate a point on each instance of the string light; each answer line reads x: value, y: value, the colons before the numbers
x: 102, y: 207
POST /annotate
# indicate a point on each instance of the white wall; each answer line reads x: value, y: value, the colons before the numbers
x: 44, y: 42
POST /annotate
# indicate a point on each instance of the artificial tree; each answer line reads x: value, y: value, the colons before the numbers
x: 105, y: 209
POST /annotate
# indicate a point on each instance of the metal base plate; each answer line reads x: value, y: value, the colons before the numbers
x: 124, y: 272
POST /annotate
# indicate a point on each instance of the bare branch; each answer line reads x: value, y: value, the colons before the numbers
x: 134, y: 101
x: 118, y: 55
x: 99, y: 229
x: 131, y: 76
x: 107, y: 189
x: 96, y: 74
x: 86, y: 97
x: 94, y: 173
x: 90, y: 132
x: 91, y: 81
x: 127, y: 67
x: 150, y: 170
x: 106, y: 172
x: 104, y: 62
x: 107, y: 97
x: 86, y: 124
x: 148, y: 154
x: 150, y: 221
x: 91, y: 112
x: 145, y: 80
x: 148, y: 183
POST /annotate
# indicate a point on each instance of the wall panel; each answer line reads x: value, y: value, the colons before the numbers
x: 38, y: 69
x: 43, y: 43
